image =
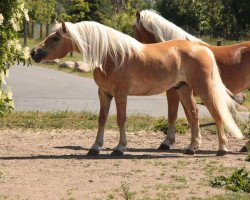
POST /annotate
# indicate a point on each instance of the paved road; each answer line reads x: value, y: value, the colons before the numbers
x: 41, y: 89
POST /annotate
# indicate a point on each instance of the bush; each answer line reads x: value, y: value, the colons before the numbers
x: 239, y: 181
x: 12, y: 13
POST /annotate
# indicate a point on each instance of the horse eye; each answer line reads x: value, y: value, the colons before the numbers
x: 56, y: 38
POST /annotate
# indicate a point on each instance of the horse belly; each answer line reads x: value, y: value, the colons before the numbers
x: 146, y: 88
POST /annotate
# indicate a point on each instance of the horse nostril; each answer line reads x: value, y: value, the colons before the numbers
x: 32, y: 52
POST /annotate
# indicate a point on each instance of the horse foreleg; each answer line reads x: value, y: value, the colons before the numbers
x: 105, y: 100
x: 121, y: 104
x: 186, y: 96
x: 173, y: 104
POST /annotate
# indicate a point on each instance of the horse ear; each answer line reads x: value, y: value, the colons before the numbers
x: 55, y: 21
x: 64, y: 29
x: 138, y: 15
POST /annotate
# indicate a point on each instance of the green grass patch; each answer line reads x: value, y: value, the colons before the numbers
x: 126, y: 193
x: 239, y: 181
x: 247, y: 101
x: 75, y: 120
x: 229, y: 196
x: 161, y: 124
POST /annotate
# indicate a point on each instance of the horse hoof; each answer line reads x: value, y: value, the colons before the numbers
x: 117, y: 153
x: 93, y: 152
x: 164, y: 147
x: 221, y: 153
x: 243, y: 149
x: 189, y: 152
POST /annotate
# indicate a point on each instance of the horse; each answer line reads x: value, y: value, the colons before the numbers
x: 123, y: 66
x: 233, y: 61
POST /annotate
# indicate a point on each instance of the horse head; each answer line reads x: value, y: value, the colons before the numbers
x: 57, y: 45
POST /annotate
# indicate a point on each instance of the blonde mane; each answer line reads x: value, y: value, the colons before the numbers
x: 96, y: 41
x: 163, y: 29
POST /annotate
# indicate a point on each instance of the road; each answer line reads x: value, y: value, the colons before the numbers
x: 41, y: 89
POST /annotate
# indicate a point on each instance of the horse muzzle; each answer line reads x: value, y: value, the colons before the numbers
x: 38, y: 54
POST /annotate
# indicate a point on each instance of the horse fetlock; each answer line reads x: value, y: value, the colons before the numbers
x: 169, y: 141
x: 93, y: 152
x: 194, y: 147
x: 223, y: 148
x: 117, y: 153
x: 164, y: 147
x: 121, y: 148
x: 221, y: 152
x: 189, y: 151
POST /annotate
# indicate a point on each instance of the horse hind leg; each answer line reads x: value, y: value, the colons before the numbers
x: 207, y: 99
x: 187, y: 99
x: 105, y: 100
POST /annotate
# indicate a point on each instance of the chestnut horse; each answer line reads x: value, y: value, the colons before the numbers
x: 123, y: 66
x: 233, y: 60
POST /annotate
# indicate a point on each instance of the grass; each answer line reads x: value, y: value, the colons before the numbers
x: 85, y: 120
x: 214, y: 167
x: 126, y: 193
x: 162, y: 125
x: 73, y: 120
x: 229, y: 196
x: 247, y: 101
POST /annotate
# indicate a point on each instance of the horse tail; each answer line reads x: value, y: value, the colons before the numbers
x: 223, y: 102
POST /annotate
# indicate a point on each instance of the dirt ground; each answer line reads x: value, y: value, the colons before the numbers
x: 39, y: 164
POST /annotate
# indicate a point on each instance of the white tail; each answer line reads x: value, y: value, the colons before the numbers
x: 222, y: 100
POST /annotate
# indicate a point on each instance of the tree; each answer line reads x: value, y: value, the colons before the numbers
x: 124, y: 20
x: 228, y: 18
x: 72, y: 10
x: 94, y: 13
x: 40, y: 10
x: 12, y: 13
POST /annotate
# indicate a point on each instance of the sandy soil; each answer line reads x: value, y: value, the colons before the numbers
x: 53, y: 165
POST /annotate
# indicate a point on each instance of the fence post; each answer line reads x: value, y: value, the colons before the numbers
x: 41, y: 30
x: 32, y: 29
x: 47, y: 29
x: 218, y: 42
x: 25, y: 33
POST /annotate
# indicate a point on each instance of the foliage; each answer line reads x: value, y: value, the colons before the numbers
x: 72, y: 10
x: 248, y: 148
x: 40, y: 10
x: 95, y: 10
x: 12, y: 14
x: 239, y: 181
x: 124, y: 19
x: 227, y: 18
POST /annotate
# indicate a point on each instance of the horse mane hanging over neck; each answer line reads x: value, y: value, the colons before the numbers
x: 96, y: 42
x: 163, y: 29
